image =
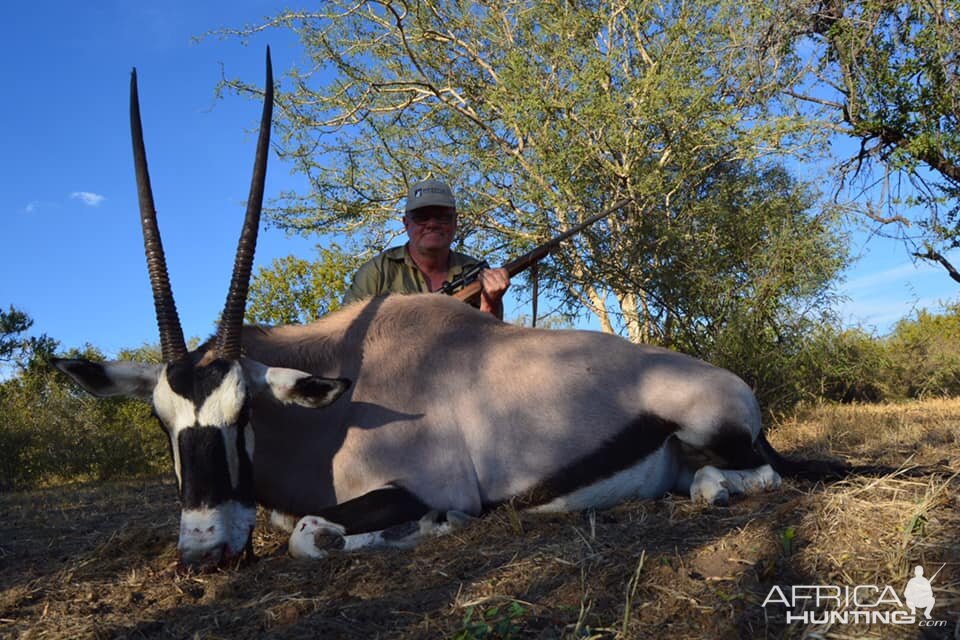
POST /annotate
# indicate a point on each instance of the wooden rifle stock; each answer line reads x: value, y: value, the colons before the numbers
x: 471, y: 291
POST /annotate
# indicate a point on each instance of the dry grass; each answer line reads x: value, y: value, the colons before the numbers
x: 98, y: 561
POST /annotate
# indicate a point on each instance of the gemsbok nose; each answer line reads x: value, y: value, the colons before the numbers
x: 201, y: 557
x: 203, y: 539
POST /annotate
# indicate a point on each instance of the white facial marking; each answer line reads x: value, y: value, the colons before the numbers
x: 203, y: 531
x: 248, y: 441
x: 222, y: 407
x: 176, y: 412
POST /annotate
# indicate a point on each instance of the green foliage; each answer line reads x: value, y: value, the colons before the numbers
x: 845, y: 366
x: 925, y: 354
x: 887, y: 74
x: 294, y: 290
x: 787, y: 536
x: 12, y: 324
x: 541, y: 113
x: 19, y: 350
x: 52, y: 432
x: 738, y: 272
x: 920, y: 358
x: 492, y: 623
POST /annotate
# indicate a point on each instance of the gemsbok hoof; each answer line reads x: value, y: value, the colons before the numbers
x: 314, y: 538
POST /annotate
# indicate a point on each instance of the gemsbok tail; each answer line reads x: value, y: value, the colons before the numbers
x: 802, y: 469
x: 834, y: 470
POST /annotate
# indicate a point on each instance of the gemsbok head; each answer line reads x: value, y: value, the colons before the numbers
x: 202, y: 397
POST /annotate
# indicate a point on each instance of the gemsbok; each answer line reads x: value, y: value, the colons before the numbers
x: 404, y: 415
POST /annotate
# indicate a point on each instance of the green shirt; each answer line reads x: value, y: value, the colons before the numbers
x: 394, y: 271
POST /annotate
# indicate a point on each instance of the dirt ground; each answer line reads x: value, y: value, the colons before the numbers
x: 99, y: 561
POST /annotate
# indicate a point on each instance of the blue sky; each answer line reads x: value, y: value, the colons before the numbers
x: 72, y: 256
x: 70, y: 248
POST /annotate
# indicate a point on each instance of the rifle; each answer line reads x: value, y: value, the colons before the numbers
x: 466, y: 287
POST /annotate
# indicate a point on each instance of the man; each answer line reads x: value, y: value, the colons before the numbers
x: 426, y: 261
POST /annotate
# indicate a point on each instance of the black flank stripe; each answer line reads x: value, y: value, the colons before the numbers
x: 639, y: 439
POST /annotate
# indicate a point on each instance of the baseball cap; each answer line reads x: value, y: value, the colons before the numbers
x: 430, y: 193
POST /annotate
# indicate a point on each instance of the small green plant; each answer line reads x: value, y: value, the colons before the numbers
x: 787, y: 538
x: 917, y: 525
x: 493, y: 623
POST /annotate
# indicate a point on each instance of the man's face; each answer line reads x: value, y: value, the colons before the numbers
x: 430, y: 229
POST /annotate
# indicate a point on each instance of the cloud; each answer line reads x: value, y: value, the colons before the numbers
x: 88, y: 198
x: 881, y: 314
x: 31, y: 206
x: 896, y: 274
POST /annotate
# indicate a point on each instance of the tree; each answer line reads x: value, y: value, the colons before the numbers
x: 887, y: 74
x: 540, y: 113
x: 51, y: 431
x: 21, y: 350
x: 294, y: 290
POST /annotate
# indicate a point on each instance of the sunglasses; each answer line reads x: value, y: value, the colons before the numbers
x: 422, y: 216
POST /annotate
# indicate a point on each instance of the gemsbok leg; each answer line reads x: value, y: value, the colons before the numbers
x: 391, y: 516
x: 729, y: 465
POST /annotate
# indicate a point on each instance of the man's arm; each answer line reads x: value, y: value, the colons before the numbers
x: 495, y: 283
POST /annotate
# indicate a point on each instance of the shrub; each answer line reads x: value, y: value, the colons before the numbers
x: 925, y: 354
x: 846, y: 366
x: 52, y: 432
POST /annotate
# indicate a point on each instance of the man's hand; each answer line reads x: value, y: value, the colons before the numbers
x: 495, y: 283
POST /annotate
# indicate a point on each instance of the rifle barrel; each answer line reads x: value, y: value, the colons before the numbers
x: 530, y: 258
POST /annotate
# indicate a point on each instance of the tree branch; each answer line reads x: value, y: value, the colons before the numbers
x: 935, y: 256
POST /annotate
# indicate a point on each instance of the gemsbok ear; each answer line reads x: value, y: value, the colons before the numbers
x: 292, y: 386
x: 105, y: 379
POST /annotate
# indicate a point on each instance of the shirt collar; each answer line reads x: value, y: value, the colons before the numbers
x: 458, y: 261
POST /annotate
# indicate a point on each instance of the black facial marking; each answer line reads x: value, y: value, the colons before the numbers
x: 196, y: 383
x: 180, y: 378
x: 375, y: 511
x: 639, y: 439
x: 244, y: 491
x: 209, y: 378
x: 205, y: 475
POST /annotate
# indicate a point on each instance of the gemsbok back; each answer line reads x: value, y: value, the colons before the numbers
x: 401, y: 416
